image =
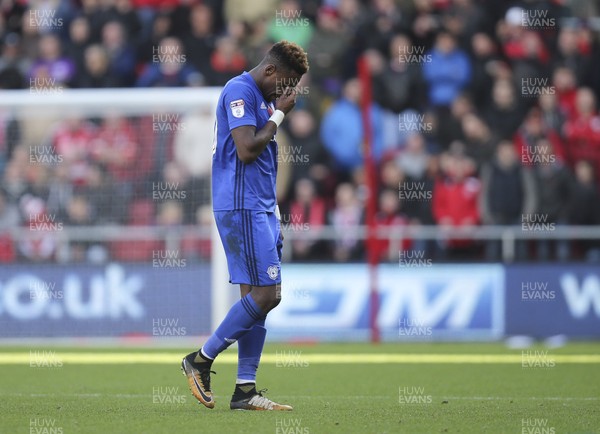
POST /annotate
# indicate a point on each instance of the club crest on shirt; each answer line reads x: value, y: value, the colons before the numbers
x: 237, y: 108
x: 273, y: 272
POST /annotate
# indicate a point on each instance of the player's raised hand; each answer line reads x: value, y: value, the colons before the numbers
x: 287, y: 100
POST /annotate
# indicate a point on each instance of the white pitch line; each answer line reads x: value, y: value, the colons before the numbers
x: 336, y: 397
x: 291, y: 359
x: 530, y: 398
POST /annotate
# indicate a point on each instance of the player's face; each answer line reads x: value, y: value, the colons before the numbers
x: 277, y: 80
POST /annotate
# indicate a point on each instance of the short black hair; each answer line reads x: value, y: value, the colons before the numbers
x: 290, y: 56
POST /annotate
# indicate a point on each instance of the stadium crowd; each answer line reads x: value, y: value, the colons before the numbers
x: 483, y: 112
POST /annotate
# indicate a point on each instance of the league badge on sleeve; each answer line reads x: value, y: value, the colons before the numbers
x: 237, y: 108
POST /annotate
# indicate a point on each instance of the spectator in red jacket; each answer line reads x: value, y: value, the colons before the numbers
x: 226, y: 61
x: 582, y: 131
x: 116, y: 147
x: 455, y: 198
x: 196, y: 248
x: 390, y: 215
x: 565, y: 86
x: 141, y: 213
x: 522, y: 45
x: 307, y: 212
x: 71, y: 143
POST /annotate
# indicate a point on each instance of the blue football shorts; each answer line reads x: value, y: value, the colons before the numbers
x: 252, y: 242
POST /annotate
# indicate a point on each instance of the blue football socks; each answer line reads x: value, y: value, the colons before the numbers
x: 250, y: 348
x: 240, y: 320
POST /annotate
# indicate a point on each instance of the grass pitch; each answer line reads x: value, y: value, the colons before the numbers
x: 337, y: 388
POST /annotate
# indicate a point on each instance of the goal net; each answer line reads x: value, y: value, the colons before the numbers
x: 106, y: 214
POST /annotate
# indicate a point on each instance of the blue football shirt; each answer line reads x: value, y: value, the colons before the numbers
x: 236, y: 185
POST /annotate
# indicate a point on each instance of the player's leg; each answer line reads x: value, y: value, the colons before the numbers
x: 250, y: 348
x: 250, y: 345
x: 245, y: 396
x: 252, y: 259
x: 240, y: 319
x: 252, y: 251
x: 238, y: 241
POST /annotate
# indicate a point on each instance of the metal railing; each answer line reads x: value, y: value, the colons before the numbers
x: 172, y: 236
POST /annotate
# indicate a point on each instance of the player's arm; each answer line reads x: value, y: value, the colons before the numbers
x: 250, y: 143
